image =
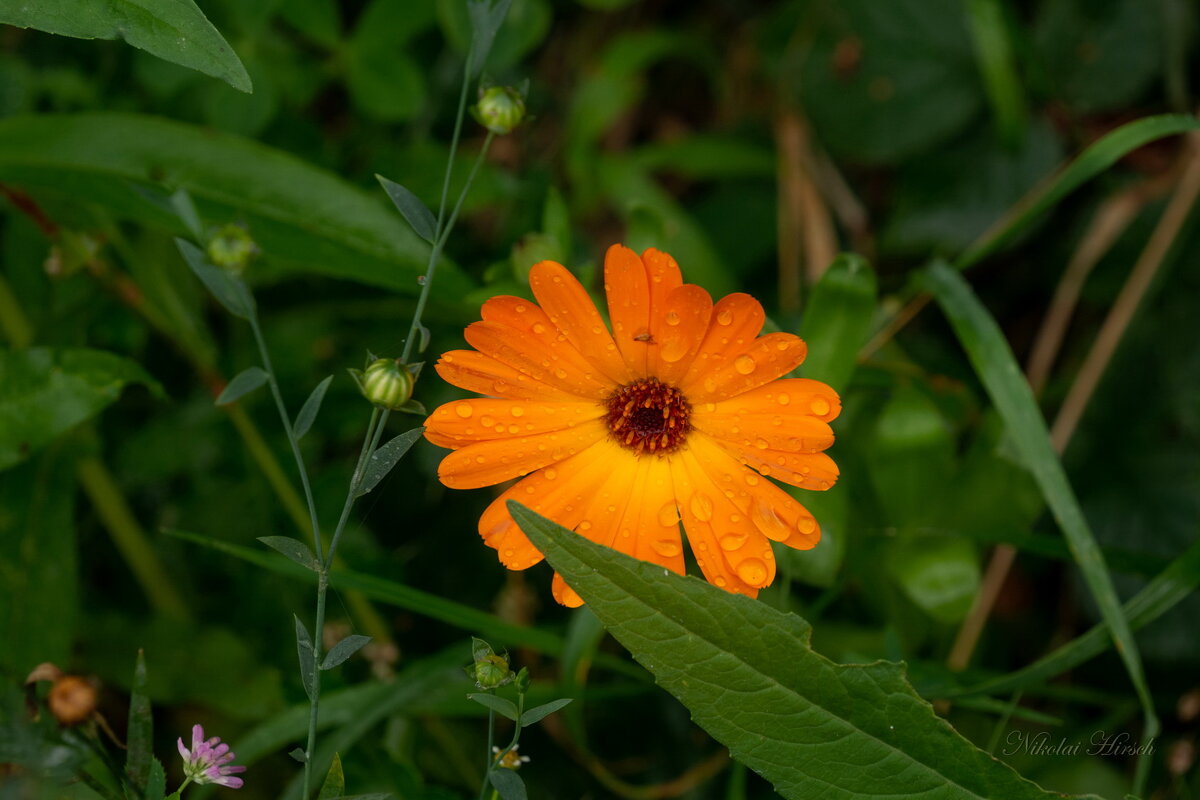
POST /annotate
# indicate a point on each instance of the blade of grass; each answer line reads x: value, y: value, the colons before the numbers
x: 993, y: 52
x: 410, y: 599
x: 996, y: 366
x: 1160, y: 595
x: 1098, y: 157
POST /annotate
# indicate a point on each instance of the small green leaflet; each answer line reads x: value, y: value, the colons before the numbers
x: 242, y: 384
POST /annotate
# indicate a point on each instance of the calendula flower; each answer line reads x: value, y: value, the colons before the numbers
x: 511, y: 759
x: 208, y: 761
x: 675, y: 415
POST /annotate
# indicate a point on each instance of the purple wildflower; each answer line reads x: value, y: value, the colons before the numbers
x: 208, y: 761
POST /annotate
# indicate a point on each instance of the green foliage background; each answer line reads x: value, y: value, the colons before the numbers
x: 919, y: 124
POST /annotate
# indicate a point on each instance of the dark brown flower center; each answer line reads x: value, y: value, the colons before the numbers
x: 648, y: 416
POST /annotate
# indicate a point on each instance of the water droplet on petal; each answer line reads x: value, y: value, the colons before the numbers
x: 517, y: 411
x: 720, y: 581
x: 702, y: 507
x: 744, y: 364
x: 752, y: 571
x: 751, y: 479
x: 487, y: 422
x: 819, y: 406
x: 550, y: 474
x: 464, y: 410
x: 668, y: 548
x: 783, y: 399
x: 807, y: 525
x: 732, y: 541
x: 539, y: 328
x: 725, y: 317
x: 668, y: 515
x: 520, y: 308
x: 672, y: 318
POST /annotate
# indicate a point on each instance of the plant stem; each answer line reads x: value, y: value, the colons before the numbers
x: 487, y: 770
x: 370, y: 441
x: 311, y: 746
x: 287, y: 427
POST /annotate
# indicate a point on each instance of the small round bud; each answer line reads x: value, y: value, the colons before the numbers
x: 500, y: 109
x: 232, y: 248
x: 387, y: 383
x: 492, y: 672
x: 71, y: 700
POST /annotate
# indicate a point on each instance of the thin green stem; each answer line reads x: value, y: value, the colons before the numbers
x: 494, y: 759
x: 458, y: 121
x: 311, y: 747
x: 487, y: 770
x: 370, y: 440
x: 287, y: 427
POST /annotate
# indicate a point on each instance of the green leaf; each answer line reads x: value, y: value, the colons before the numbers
x: 996, y: 366
x: 992, y: 34
x: 173, y: 30
x: 386, y: 457
x: 335, y: 781
x: 156, y: 781
x: 302, y: 217
x: 231, y: 292
x: 503, y: 707
x: 140, y: 736
x: 241, y: 385
x: 940, y: 575
x: 1173, y: 585
x: 294, y: 549
x: 538, y: 713
x: 298, y: 754
x: 486, y: 18
x: 45, y: 392
x: 837, y: 320
x: 1097, y: 158
x: 748, y: 676
x: 181, y: 203
x: 508, y: 783
x: 411, y: 208
x: 308, y: 412
x: 343, y: 650
x: 304, y: 650
x: 883, y: 81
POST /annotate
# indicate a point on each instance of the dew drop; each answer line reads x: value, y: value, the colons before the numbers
x: 807, y: 525
x: 782, y: 345
x: 487, y: 422
x: 668, y: 515
x: 732, y: 541
x: 585, y: 525
x: 672, y: 318
x: 667, y: 548
x: 761, y: 444
x: 783, y: 399
x: 720, y: 581
x: 702, y: 507
x: 520, y: 308
x: 560, y: 373
x: 725, y: 317
x: 513, y: 429
x: 744, y: 364
x: 464, y: 410
x: 752, y: 571
x: 751, y: 479
x: 539, y: 328
x: 819, y: 406
x: 517, y: 411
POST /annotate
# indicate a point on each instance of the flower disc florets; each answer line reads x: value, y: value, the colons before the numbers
x: 648, y: 416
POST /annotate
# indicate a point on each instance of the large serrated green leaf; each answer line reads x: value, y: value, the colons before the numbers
x: 749, y: 677
x: 45, y: 392
x: 302, y: 217
x: 173, y: 30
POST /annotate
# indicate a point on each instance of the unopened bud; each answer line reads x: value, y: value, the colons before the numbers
x: 71, y: 700
x: 492, y: 672
x: 232, y: 248
x: 387, y: 383
x: 500, y: 109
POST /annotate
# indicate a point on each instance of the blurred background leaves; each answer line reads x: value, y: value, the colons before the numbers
x: 753, y: 141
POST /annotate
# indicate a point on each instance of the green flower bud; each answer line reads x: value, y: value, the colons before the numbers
x: 523, y: 680
x: 500, y: 109
x: 387, y: 383
x: 492, y: 672
x: 232, y: 248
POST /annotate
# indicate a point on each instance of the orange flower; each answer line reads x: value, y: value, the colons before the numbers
x: 675, y: 415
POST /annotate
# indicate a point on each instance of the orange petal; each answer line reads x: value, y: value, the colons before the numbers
x: 773, y: 511
x: 561, y: 493
x: 791, y: 433
x: 570, y: 308
x: 463, y: 422
x: 539, y: 354
x: 735, y: 323
x: 564, y: 594
x: 628, y: 290
x: 491, y: 462
x: 766, y: 359
x: 685, y: 318
x: 663, y: 278
x: 790, y: 397
x: 815, y: 471
x: 698, y: 501
x: 477, y: 372
x: 651, y: 521
x: 732, y: 552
